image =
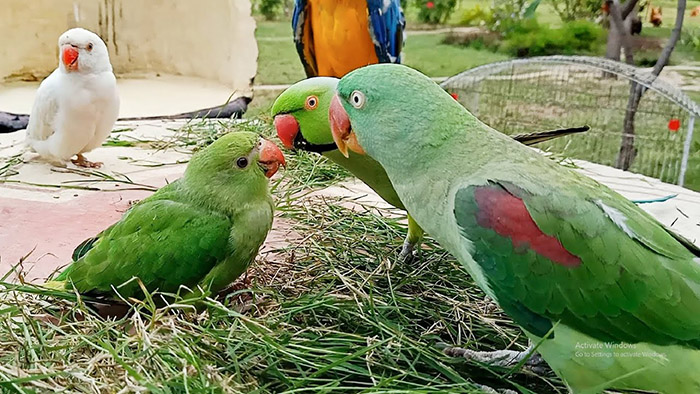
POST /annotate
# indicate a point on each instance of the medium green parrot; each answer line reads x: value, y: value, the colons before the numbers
x: 301, y: 120
x: 609, y: 294
x: 202, y: 230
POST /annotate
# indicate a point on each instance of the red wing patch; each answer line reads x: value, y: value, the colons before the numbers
x: 507, y: 215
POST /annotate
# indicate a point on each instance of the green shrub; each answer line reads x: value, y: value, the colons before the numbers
x: 529, y: 38
x: 691, y: 38
x: 501, y: 15
x: 270, y: 9
x: 435, y: 11
x: 646, y: 59
x: 477, y: 16
x: 480, y: 40
x: 509, y: 14
x: 570, y: 10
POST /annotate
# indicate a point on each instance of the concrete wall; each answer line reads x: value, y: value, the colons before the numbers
x: 212, y: 39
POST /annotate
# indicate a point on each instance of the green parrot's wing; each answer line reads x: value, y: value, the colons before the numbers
x: 85, y: 247
x: 164, y: 193
x: 165, y: 243
x: 78, y: 252
x: 592, y: 261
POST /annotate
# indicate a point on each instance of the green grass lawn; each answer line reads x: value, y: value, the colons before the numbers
x: 278, y: 62
x: 428, y: 54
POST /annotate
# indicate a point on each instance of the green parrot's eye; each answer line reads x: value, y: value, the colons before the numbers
x: 242, y: 162
x: 311, y: 102
x: 357, y: 99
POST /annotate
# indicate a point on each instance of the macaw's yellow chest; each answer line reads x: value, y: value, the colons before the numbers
x: 341, y: 36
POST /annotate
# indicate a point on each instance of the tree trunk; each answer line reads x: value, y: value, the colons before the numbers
x: 614, y: 44
x: 628, y: 152
x: 620, y: 31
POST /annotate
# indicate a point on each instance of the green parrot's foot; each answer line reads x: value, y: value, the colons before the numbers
x: 408, y: 253
x: 502, y: 358
x: 491, y: 305
x: 489, y: 390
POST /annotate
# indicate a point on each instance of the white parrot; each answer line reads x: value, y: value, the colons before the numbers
x: 76, y: 106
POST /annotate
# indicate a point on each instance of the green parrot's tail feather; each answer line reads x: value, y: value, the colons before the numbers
x: 63, y: 276
x: 55, y: 285
x: 542, y: 136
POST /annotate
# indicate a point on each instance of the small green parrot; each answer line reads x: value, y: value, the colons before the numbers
x: 609, y: 294
x: 202, y: 230
x: 301, y: 119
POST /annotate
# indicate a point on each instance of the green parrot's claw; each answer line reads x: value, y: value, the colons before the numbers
x: 408, y: 253
x: 501, y: 358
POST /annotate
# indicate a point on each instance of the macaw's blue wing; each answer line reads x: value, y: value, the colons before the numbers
x: 303, y: 37
x: 387, y: 24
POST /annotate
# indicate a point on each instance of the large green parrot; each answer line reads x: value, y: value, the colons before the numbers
x: 202, y: 230
x: 301, y: 120
x: 610, y: 295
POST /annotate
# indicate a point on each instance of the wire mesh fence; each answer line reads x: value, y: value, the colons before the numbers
x: 526, y: 95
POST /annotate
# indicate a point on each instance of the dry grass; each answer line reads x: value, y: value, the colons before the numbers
x: 324, y: 309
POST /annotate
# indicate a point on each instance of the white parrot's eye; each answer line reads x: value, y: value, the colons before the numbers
x: 89, y: 46
x: 242, y: 162
x: 357, y: 99
x: 311, y: 102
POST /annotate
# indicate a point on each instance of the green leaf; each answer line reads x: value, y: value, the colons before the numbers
x: 530, y: 11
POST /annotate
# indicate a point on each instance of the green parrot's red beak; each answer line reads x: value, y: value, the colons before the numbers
x: 343, y: 135
x: 287, y: 129
x: 270, y: 158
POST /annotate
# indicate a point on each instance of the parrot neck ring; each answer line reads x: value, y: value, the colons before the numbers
x: 289, y: 133
x: 302, y: 143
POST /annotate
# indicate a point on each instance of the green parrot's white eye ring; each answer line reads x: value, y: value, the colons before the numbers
x: 357, y: 99
x: 311, y: 103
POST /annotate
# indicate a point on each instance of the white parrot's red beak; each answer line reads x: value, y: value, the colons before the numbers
x: 270, y: 158
x: 341, y: 128
x: 69, y: 57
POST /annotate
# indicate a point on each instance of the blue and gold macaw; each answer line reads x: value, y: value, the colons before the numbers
x: 334, y: 37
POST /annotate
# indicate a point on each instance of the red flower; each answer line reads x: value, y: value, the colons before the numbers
x: 430, y: 5
x: 674, y: 125
x: 454, y: 96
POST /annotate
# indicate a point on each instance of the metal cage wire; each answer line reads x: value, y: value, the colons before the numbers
x: 526, y: 95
